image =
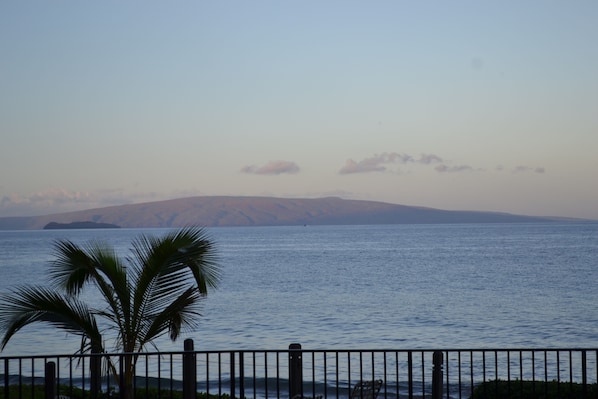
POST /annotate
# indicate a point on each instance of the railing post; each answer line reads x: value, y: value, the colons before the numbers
x: 189, y: 371
x: 410, y: 373
x: 50, y: 380
x: 123, y: 390
x: 241, y: 374
x: 295, y: 371
x: 95, y: 373
x: 6, y: 379
x: 437, y: 359
x: 584, y: 374
x: 232, y: 375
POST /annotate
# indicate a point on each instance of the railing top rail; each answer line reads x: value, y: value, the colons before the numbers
x: 382, y: 350
x: 308, y: 350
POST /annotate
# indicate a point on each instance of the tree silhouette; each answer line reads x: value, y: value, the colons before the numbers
x: 157, y: 290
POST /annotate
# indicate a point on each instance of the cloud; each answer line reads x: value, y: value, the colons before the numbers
x: 429, y: 159
x: 365, y: 166
x: 57, y: 200
x: 526, y: 169
x: 273, y: 168
x: 453, y: 169
x: 381, y: 162
x: 377, y: 162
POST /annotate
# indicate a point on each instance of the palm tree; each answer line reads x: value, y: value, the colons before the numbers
x: 155, y: 291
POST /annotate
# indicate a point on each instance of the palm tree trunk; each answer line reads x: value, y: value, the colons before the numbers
x: 127, y: 376
x: 95, y: 372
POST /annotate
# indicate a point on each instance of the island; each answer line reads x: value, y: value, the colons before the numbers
x: 80, y: 225
x: 230, y: 211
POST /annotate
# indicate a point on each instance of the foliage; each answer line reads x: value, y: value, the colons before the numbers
x: 157, y: 290
x: 519, y: 389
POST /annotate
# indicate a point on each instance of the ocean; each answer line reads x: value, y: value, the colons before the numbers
x: 450, y: 286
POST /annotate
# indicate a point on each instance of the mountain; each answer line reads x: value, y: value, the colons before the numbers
x: 214, y: 211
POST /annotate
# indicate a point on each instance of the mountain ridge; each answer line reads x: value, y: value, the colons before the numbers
x: 229, y: 211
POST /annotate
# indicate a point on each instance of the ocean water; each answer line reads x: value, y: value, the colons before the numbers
x: 454, y: 286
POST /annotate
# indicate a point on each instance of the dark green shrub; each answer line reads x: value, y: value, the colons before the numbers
x: 523, y: 389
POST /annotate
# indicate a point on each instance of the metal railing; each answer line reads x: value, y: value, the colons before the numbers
x: 297, y: 372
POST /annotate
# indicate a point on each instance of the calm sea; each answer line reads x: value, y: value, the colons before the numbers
x: 365, y: 287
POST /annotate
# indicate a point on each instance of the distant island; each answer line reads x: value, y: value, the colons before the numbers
x: 79, y: 225
x: 227, y: 211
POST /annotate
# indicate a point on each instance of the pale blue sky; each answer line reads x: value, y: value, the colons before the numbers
x: 469, y: 105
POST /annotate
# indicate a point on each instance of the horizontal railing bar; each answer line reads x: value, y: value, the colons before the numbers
x: 249, y: 351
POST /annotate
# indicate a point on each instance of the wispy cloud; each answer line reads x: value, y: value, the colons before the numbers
x: 377, y: 162
x: 56, y: 200
x: 428, y: 159
x: 453, y: 169
x: 365, y: 166
x: 528, y: 169
x: 272, y: 168
x: 381, y: 163
x: 59, y: 200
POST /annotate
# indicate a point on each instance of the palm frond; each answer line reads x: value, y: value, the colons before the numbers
x: 72, y: 267
x: 179, y: 315
x: 178, y: 261
x: 27, y: 305
x: 157, y: 290
x: 189, y: 248
x: 97, y: 264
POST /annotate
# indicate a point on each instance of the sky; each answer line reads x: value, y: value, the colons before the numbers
x: 459, y: 105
